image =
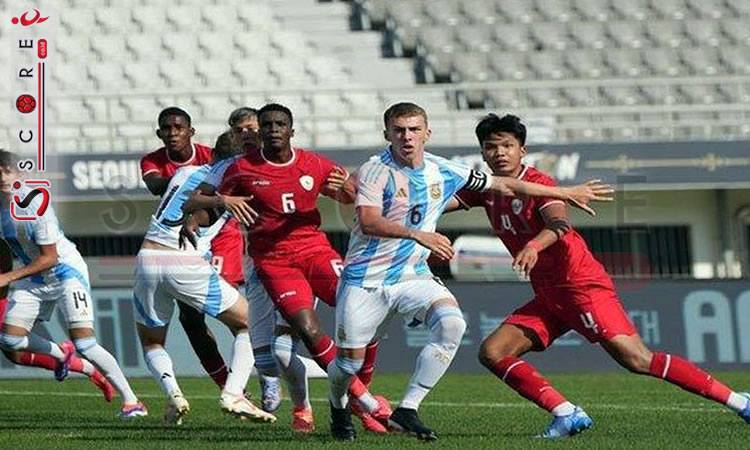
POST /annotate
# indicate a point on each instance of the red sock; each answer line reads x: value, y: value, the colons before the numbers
x: 37, y: 360
x: 367, y: 371
x: 76, y: 365
x: 688, y: 376
x: 323, y: 352
x: 530, y: 384
x: 218, y: 375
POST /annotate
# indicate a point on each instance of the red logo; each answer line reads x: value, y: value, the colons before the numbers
x: 25, y: 103
x: 26, y: 22
x: 42, y: 48
x: 23, y: 204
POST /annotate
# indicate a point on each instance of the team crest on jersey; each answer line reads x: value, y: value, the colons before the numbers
x: 435, y: 191
x: 307, y: 182
x: 516, y: 205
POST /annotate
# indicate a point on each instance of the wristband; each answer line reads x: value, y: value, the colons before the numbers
x: 535, y: 245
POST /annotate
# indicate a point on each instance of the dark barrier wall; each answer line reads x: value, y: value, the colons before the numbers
x: 705, y: 321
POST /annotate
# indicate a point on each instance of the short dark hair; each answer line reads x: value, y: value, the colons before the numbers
x: 8, y: 160
x: 277, y: 107
x: 228, y: 144
x: 173, y: 111
x: 492, y: 124
x: 403, y: 109
x: 240, y: 114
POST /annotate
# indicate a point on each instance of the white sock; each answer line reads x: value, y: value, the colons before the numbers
x: 108, y: 366
x: 160, y: 365
x: 88, y: 368
x: 563, y: 409
x: 340, y: 373
x: 368, y: 402
x: 293, y: 369
x: 737, y: 402
x: 242, y: 364
x: 448, y: 326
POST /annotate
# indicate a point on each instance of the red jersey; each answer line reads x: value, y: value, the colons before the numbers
x: 517, y: 220
x: 159, y: 161
x: 285, y: 197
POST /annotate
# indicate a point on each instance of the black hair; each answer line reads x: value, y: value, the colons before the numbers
x: 403, y: 109
x: 492, y: 124
x: 173, y: 111
x: 276, y: 107
x: 240, y: 114
x: 8, y: 160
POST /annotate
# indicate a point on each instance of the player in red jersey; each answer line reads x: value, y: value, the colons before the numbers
x: 293, y: 258
x: 572, y: 289
x: 157, y: 168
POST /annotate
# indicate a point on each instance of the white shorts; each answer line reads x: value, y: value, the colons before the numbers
x: 163, y: 276
x: 29, y: 302
x: 261, y: 314
x: 364, y: 313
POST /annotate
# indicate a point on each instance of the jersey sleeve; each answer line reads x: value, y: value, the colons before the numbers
x: 326, y: 166
x: 228, y: 184
x: 46, y: 229
x: 460, y: 176
x: 468, y: 199
x: 149, y: 165
x: 215, y: 175
x: 372, y: 180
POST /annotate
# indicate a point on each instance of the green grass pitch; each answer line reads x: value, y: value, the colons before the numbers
x: 467, y: 411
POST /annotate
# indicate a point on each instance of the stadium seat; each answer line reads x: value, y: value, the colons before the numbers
x: 215, y: 107
x: 709, y: 9
x: 471, y: 67
x: 109, y: 47
x: 664, y: 62
x: 476, y: 38
x: 509, y: 66
x: 143, y: 75
x: 107, y: 76
x: 181, y: 46
x: 513, y: 37
x: 701, y: 93
x: 114, y: 20
x: 736, y: 59
x: 632, y: 9
x: 288, y: 73
x: 363, y: 102
x: 623, y: 95
x: 291, y: 43
x: 219, y: 17
x: 145, y: 47
x: 737, y: 30
x: 517, y: 11
x: 550, y: 36
x: 546, y: 98
x: 217, y: 45
x: 589, y: 34
x: 74, y: 48
x: 437, y: 39
x: 77, y: 21
x: 149, y: 19
x: 408, y: 13
x: 704, y: 32
x: 548, y: 65
x: 701, y: 60
x: 505, y: 98
x: 597, y: 10
x: 479, y: 11
x: 185, y: 19
x: 666, y: 33
x: 328, y: 104
x: 69, y: 110
x: 624, y: 62
x: 627, y: 34
x: 257, y: 16
x: 443, y: 12
x: 326, y: 71
x: 556, y: 11
x: 663, y: 94
x: 178, y: 74
x: 215, y: 73
x: 671, y: 9
x: 251, y: 74
x: 581, y: 96
x: 740, y: 8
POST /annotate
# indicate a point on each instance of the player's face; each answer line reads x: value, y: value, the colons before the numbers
x: 503, y: 153
x: 7, y: 177
x: 275, y: 130
x: 176, y: 133
x: 248, y: 123
x: 408, y: 136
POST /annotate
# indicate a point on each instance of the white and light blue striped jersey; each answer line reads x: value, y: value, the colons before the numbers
x: 166, y: 222
x: 26, y: 236
x: 414, y: 198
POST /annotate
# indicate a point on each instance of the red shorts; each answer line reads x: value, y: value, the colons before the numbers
x: 3, y: 306
x: 294, y: 283
x: 594, y: 312
x: 227, y: 250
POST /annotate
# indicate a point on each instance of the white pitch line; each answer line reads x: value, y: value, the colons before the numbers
x: 507, y: 405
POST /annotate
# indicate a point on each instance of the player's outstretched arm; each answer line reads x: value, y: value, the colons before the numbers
x: 156, y: 184
x: 340, y: 186
x: 580, y: 195
x: 47, y: 259
x: 237, y: 206
x: 372, y: 223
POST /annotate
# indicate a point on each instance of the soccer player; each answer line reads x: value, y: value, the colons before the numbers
x: 53, y: 273
x: 244, y: 118
x: 293, y: 258
x: 165, y: 273
x: 572, y: 289
x: 157, y: 168
x: 401, y: 193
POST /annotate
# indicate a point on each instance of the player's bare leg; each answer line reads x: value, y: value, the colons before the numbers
x: 323, y: 350
x: 295, y: 373
x: 500, y: 353
x: 631, y: 353
x: 233, y: 400
x: 204, y: 343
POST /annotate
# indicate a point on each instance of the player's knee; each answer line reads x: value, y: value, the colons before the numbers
x: 492, y: 351
x: 637, y: 361
x: 11, y: 343
x: 448, y: 326
x: 84, y: 344
x: 348, y: 366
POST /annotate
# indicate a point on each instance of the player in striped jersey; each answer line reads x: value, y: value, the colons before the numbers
x: 401, y: 193
x: 164, y: 272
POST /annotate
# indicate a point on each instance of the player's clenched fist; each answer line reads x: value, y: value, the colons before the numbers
x: 437, y: 243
